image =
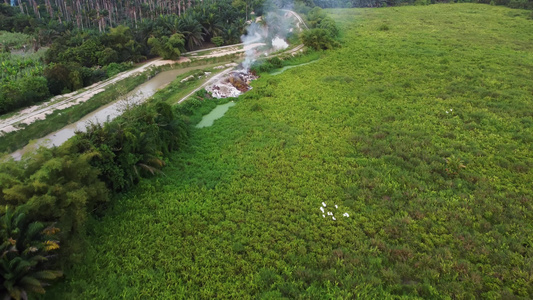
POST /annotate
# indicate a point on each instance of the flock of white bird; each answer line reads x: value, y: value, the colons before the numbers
x: 329, y: 213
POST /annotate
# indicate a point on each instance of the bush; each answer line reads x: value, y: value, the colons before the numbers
x: 22, y: 92
x: 329, y: 25
x: 114, y: 68
x: 525, y: 4
x: 218, y: 41
x: 267, y: 65
x: 61, y: 77
x: 319, y: 39
x: 168, y: 48
x: 383, y: 27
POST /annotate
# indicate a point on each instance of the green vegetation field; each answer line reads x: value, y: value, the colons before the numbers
x: 420, y: 128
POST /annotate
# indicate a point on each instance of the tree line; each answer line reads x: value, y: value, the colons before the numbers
x: 102, y: 14
x: 93, y: 40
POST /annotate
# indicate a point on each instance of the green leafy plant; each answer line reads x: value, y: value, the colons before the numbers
x: 26, y: 248
x: 218, y: 41
x: 454, y: 165
x: 383, y: 27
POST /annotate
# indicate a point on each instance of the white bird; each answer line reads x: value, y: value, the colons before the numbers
x: 323, y: 216
x: 323, y: 204
x: 330, y: 213
x: 321, y: 208
x: 336, y: 206
x: 346, y: 215
x: 451, y: 109
x: 333, y: 218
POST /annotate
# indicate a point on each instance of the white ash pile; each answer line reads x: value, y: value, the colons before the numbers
x: 232, y: 85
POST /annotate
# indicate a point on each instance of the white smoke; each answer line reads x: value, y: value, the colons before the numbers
x: 253, y: 39
x: 279, y: 44
x: 271, y: 30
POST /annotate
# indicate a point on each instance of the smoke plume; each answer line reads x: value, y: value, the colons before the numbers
x: 268, y: 31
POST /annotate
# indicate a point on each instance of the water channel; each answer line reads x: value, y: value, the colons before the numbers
x: 279, y: 71
x: 107, y: 112
x: 217, y: 113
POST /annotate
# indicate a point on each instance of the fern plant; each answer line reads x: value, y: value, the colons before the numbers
x: 25, y: 250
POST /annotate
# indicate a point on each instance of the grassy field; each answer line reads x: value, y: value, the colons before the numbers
x: 420, y: 128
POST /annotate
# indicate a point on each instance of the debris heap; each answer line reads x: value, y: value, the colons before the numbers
x: 233, y: 85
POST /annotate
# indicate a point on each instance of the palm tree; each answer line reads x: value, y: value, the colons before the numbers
x: 192, y: 30
x: 24, y: 249
x: 209, y: 19
x: 231, y: 34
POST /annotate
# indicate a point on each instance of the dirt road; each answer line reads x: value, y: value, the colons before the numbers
x: 39, y: 112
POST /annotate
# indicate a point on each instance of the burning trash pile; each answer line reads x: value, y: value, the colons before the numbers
x: 258, y: 36
x: 236, y: 83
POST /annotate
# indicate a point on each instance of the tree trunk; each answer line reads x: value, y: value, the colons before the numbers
x: 49, y: 8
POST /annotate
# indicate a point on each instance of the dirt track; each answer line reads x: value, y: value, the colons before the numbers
x: 39, y: 112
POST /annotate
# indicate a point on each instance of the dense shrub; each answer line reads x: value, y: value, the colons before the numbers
x: 167, y: 47
x: 22, y: 92
x: 132, y: 146
x: 26, y: 249
x: 319, y: 39
x: 63, y: 77
x: 323, y: 31
x: 218, y: 41
x: 55, y: 185
x: 267, y: 65
x: 114, y: 68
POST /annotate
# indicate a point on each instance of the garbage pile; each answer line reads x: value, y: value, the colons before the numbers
x: 236, y: 83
